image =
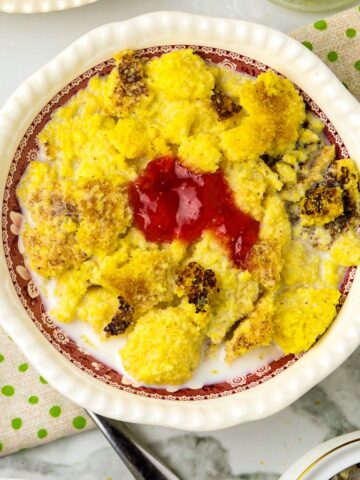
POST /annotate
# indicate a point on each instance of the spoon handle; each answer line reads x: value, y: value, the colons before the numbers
x: 141, y: 463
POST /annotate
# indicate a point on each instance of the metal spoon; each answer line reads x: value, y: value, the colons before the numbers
x: 140, y: 461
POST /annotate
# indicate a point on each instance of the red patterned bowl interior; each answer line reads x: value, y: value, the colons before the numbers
x: 26, y: 289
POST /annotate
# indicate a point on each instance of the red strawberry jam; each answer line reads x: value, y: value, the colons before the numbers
x: 169, y: 201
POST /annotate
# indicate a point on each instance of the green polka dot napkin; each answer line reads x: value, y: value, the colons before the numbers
x: 31, y: 412
x: 336, y: 41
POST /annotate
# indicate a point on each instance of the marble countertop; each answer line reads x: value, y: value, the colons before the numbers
x: 260, y: 450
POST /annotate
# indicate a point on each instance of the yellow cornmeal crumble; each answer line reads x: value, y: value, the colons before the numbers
x: 163, y: 337
x: 79, y: 229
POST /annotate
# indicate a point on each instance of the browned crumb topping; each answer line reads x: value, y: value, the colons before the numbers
x: 131, y: 84
x: 197, y: 283
x: 333, y: 199
x: 135, y: 289
x: 99, y: 199
x: 53, y: 252
x: 51, y: 204
x: 61, y: 207
x: 341, y: 176
x: 223, y: 105
x: 341, y: 223
x: 103, y: 214
x: 322, y: 203
x: 254, y: 331
x: 122, y: 319
x: 264, y: 262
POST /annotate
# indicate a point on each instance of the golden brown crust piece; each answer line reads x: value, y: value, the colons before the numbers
x: 197, y: 284
x: 104, y: 214
x: 223, y: 105
x: 144, y: 280
x: 344, y: 174
x: 51, y: 249
x: 265, y: 264
x: 254, y: 331
x: 322, y: 204
x: 129, y: 85
x: 60, y: 206
x: 122, y: 319
x: 136, y: 290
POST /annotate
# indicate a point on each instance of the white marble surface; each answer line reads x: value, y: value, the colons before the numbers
x: 257, y: 451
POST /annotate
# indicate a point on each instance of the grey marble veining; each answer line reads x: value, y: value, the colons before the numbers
x: 260, y: 450
x: 203, y: 458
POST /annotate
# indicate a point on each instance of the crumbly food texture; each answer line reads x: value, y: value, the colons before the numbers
x: 169, y: 300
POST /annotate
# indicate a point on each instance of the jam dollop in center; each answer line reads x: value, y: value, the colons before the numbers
x: 170, y: 202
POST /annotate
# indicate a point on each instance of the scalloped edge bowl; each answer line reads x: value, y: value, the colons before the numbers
x: 40, y: 6
x: 326, y: 460
x: 162, y: 28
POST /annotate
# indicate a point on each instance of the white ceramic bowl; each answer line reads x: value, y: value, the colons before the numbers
x: 326, y: 460
x: 38, y: 6
x: 163, y: 28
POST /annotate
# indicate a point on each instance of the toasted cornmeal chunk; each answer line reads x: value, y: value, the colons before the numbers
x: 265, y: 263
x: 97, y: 308
x: 302, y: 315
x: 199, y: 153
x: 104, y: 214
x: 237, y: 289
x: 345, y: 250
x: 277, y: 99
x: 51, y: 248
x: 145, y: 280
x: 254, y: 331
x: 322, y: 204
x: 164, y: 347
x: 181, y: 75
x: 345, y: 172
x: 310, y: 170
x: 125, y: 86
x: 47, y: 199
x: 276, y: 112
x: 291, y: 170
x: 238, y: 293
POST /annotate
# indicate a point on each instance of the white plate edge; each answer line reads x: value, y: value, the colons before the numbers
x: 40, y: 6
x: 289, y: 58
